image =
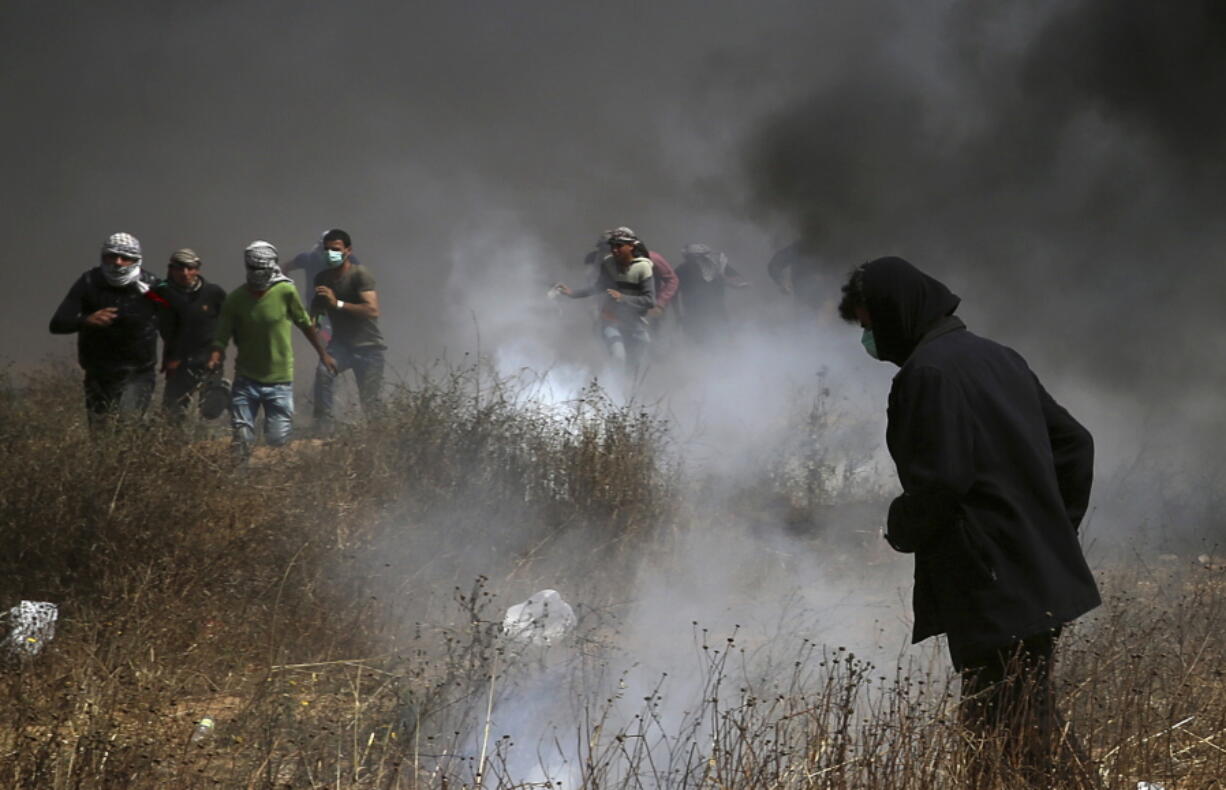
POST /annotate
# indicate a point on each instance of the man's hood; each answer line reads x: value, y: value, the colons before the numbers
x: 903, y: 303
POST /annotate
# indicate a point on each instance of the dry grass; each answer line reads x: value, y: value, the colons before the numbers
x: 320, y: 605
x: 185, y: 582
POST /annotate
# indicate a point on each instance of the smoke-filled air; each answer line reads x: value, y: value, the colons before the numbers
x: 496, y: 395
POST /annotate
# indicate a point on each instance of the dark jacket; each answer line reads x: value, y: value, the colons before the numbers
x: 802, y: 266
x: 996, y: 475
x: 190, y: 322
x: 130, y: 342
x: 703, y: 306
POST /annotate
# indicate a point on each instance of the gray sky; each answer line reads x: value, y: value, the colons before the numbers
x: 415, y: 126
x: 1036, y: 149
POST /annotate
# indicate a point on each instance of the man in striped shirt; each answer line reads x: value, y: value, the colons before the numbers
x: 626, y: 279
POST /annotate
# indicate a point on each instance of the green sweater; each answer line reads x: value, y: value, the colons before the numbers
x: 261, y: 330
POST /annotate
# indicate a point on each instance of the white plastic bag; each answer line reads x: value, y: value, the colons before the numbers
x: 542, y: 619
x: 33, y: 626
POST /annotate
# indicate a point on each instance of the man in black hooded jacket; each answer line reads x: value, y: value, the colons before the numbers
x: 996, y: 479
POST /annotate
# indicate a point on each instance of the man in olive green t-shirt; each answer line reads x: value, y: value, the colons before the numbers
x: 345, y: 292
x: 258, y: 316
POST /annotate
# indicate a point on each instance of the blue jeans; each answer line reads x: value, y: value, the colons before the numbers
x: 246, y: 398
x: 367, y: 366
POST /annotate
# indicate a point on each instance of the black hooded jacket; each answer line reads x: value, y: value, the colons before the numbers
x: 996, y: 475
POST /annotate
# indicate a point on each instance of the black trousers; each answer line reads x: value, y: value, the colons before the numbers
x: 1009, y: 704
x: 181, y: 384
x: 117, y: 392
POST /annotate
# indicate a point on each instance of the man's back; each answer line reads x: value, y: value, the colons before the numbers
x: 968, y: 418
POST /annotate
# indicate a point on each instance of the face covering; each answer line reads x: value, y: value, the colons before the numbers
x: 261, y: 278
x: 870, y: 343
x: 335, y: 258
x: 126, y: 245
x: 262, y: 269
x: 120, y: 276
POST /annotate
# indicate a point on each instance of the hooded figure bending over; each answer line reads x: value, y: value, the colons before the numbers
x: 996, y: 479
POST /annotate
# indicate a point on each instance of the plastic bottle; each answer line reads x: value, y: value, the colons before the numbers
x: 204, y: 729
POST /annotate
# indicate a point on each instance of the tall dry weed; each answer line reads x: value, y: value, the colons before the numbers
x: 287, y: 600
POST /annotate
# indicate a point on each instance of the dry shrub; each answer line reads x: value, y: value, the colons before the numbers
x: 183, y: 579
x: 281, y: 599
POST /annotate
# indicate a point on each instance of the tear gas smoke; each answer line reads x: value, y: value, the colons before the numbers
x: 1058, y: 164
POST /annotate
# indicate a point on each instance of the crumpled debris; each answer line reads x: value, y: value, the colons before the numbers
x: 33, y: 626
x: 542, y: 619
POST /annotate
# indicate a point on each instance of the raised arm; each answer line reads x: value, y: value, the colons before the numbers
x: 600, y: 283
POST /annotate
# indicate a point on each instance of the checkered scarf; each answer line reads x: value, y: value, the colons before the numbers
x: 127, y: 245
x: 262, y: 269
x: 622, y: 235
x: 124, y: 244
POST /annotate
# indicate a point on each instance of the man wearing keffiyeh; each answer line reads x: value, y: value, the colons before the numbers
x: 258, y: 316
x: 705, y: 278
x: 114, y: 314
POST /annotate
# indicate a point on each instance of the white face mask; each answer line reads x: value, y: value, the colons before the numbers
x: 119, y: 276
x: 335, y: 258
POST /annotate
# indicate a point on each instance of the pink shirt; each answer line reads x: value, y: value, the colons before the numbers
x: 666, y: 279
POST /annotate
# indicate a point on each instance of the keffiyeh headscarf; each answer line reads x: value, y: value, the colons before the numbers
x: 128, y: 246
x: 621, y: 235
x: 262, y: 269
